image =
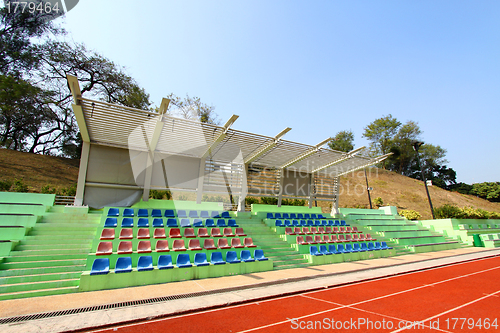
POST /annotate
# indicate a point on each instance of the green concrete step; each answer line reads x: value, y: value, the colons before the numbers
x: 62, y: 233
x: 42, y: 263
x: 30, y: 286
x: 59, y: 256
x: 55, y: 247
x: 35, y: 293
x: 39, y: 277
x: 50, y: 251
x: 41, y: 270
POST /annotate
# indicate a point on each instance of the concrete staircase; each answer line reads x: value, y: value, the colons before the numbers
x: 275, y: 248
x: 51, y: 258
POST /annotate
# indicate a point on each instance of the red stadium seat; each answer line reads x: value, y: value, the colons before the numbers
x: 124, y: 247
x: 108, y: 234
x: 104, y: 248
x: 194, y: 245
x: 144, y: 247
x: 161, y: 246
x: 236, y: 243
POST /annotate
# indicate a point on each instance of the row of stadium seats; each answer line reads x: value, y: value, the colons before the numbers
x: 142, y: 212
x: 145, y: 263
x: 323, y: 250
x: 142, y: 233
x: 295, y: 216
x: 125, y: 247
x: 128, y: 222
x: 321, y: 230
x: 326, y: 239
x: 310, y: 223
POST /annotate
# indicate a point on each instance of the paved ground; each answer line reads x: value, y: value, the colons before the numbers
x: 247, y: 289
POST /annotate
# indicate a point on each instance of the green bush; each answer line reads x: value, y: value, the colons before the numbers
x: 293, y: 202
x: 410, y: 214
x: 156, y: 194
x: 47, y: 190
x: 19, y: 186
x: 454, y: 212
x: 250, y: 200
x: 5, y: 185
x: 269, y: 201
x: 472, y: 213
x: 448, y: 212
x: 378, y: 202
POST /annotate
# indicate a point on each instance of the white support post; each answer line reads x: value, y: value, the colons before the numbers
x: 311, y: 189
x: 201, y: 179
x: 280, y: 195
x: 82, y: 175
x: 244, y: 189
x: 335, y: 206
x: 148, y: 176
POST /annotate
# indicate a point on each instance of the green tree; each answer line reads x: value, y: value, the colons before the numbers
x: 381, y: 133
x: 344, y: 141
x: 487, y: 190
x: 402, y: 147
x: 192, y: 108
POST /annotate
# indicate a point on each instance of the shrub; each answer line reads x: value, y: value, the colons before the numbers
x: 472, y: 213
x: 69, y: 191
x: 156, y: 194
x: 494, y: 215
x: 47, y: 190
x: 410, y: 214
x: 293, y: 202
x: 378, y: 202
x: 5, y: 185
x: 19, y: 186
x: 269, y: 201
x: 448, y: 212
x: 250, y: 200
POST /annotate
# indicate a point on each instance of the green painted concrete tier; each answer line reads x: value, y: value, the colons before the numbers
x: 464, y: 230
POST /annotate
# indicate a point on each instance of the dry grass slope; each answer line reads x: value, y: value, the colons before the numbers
x: 394, y: 189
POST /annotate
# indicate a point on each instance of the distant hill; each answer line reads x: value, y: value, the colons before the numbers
x: 394, y: 189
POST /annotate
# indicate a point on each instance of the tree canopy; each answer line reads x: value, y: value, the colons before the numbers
x: 343, y: 141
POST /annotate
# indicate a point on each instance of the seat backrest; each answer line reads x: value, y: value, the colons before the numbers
x: 340, y: 248
x: 309, y: 239
x: 331, y: 248
x: 158, y: 222
x: 228, y: 232
x: 111, y: 222
x: 161, y: 246
x: 341, y: 237
x: 104, y: 248
x: 204, y: 214
x: 126, y: 234
x: 310, y: 223
x: 174, y: 233
x: 328, y: 230
x: 296, y: 223
x: 297, y: 230
x: 239, y: 232
x: 108, y: 234
x: 307, y: 216
x: 128, y: 212
x: 270, y: 216
x: 200, y: 258
x: 183, y: 259
x: 221, y: 223
x: 225, y: 215
x: 231, y: 256
x: 245, y: 255
x: 159, y: 233
x: 197, y: 223
x: 203, y: 232
x: 209, y: 244
x: 293, y: 216
x: 185, y: 223
x: 231, y: 223
x: 194, y: 244
x: 286, y: 216
x: 288, y: 231
x: 209, y: 223
x: 222, y: 242
x: 355, y: 246
x: 216, y: 257
x: 169, y: 213
x: 214, y: 213
x: 314, y: 230
x: 172, y: 223
x: 143, y: 233
x: 181, y: 213
x: 144, y: 246
x: 143, y: 212
x: 156, y: 213
x: 127, y: 222
x: 323, y: 249
x: 100, y: 266
x: 300, y: 239
x: 370, y: 246
x: 193, y: 213
x: 113, y: 212
x: 317, y: 223
x: 348, y: 247
x: 305, y: 230
x: 143, y: 222
x: 348, y: 237
x: 313, y: 250
x: 277, y: 216
x: 326, y: 238
x: 189, y: 232
x: 334, y: 237
x: 165, y: 260
x: 248, y: 242
x: 287, y: 223
x: 215, y: 232
x: 258, y: 254
x: 236, y: 242
x: 317, y: 238
x: 348, y: 229
x: 125, y: 247
x: 278, y: 223
x: 178, y: 245
x: 123, y: 264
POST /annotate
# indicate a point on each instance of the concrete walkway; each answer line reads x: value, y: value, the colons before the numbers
x: 244, y: 288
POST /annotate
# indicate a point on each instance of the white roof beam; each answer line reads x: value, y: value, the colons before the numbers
x: 346, y: 156
x: 267, y: 147
x: 306, y: 154
x: 221, y: 136
x: 374, y: 161
x: 74, y: 87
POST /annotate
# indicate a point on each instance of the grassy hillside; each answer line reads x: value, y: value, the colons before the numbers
x: 394, y: 189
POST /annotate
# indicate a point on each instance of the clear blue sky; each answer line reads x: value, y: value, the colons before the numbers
x: 318, y: 66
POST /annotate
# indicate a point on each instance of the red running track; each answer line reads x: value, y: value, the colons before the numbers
x: 463, y: 297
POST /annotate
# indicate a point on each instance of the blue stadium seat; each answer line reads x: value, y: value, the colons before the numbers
x: 100, y: 266
x: 313, y: 250
x: 246, y: 256
x: 348, y: 248
x: 169, y: 213
x: 320, y: 216
x: 287, y: 223
x: 293, y: 216
x: 111, y: 222
x: 278, y: 223
x: 156, y: 213
x: 158, y: 223
x: 225, y: 215
x: 181, y: 213
x: 331, y: 223
x: 143, y: 213
x: 364, y: 248
x: 197, y: 223
x: 204, y: 214
x: 231, y: 223
x: 214, y: 214
x: 200, y: 259
x: 128, y: 212
x: 384, y: 246
x: 337, y: 223
x: 323, y: 250
x: 303, y: 223
x: 300, y: 216
x: 113, y: 212
x: 286, y: 216
x: 143, y: 222
x: 232, y: 257
x: 127, y: 222
x: 340, y: 248
x: 296, y: 223
x: 376, y: 246
x: 270, y: 216
x: 370, y: 246
x: 277, y: 215
x: 123, y: 265
x: 165, y: 261
x: 172, y: 223
x: 209, y: 223
x: 324, y: 223
x: 259, y: 255
x: 313, y: 216
x: 356, y: 248
x: 310, y: 223
x: 145, y: 263
x: 216, y: 258
x: 183, y: 260
x: 317, y: 223
x: 342, y: 223
x: 221, y: 223
x: 193, y: 214
x: 307, y: 216
x: 185, y: 223
x: 332, y: 249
